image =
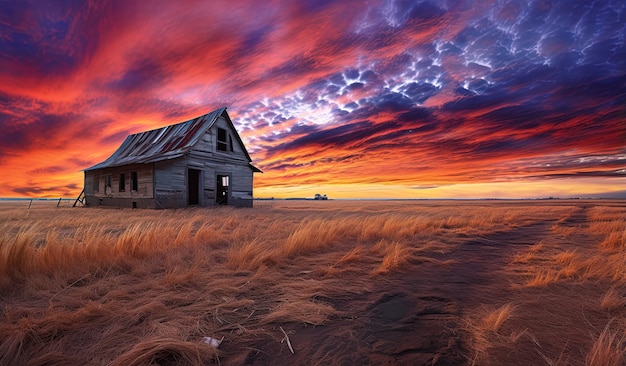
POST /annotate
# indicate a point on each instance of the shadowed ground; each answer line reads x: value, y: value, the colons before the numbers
x: 413, y: 316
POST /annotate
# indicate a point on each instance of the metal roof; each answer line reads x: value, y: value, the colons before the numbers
x: 164, y: 143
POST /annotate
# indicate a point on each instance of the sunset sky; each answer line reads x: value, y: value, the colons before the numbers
x: 353, y: 99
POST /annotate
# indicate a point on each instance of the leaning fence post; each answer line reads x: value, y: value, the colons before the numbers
x: 31, y: 202
x: 58, y: 203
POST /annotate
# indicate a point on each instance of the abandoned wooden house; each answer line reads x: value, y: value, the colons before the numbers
x: 200, y: 162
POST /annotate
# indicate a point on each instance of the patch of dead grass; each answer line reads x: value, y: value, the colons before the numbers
x: 142, y: 286
x: 543, y: 278
x: 609, y: 348
x: 484, y: 330
x: 613, y: 299
x: 395, y: 254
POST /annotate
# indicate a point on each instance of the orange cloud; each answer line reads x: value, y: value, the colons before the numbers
x: 371, y: 99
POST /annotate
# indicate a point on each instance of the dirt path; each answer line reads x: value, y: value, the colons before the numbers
x: 412, y: 316
x: 560, y: 320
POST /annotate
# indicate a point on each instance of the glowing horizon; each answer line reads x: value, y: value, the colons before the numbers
x: 392, y: 99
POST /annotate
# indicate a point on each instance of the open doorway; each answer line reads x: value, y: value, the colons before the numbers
x: 193, y: 187
x: 223, y: 182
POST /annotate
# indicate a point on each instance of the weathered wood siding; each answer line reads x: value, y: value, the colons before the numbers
x: 97, y: 193
x: 170, y: 179
x: 90, y: 182
x: 212, y: 162
x: 240, y: 177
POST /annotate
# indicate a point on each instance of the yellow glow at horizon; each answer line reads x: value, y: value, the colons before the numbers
x: 561, y: 188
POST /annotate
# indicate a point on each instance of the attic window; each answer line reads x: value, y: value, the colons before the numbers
x: 222, y: 139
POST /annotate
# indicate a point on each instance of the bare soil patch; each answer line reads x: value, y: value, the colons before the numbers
x: 415, y: 315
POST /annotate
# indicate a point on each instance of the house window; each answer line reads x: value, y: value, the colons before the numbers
x: 122, y: 182
x: 133, y: 181
x: 107, y: 184
x: 96, y: 184
x: 222, y: 139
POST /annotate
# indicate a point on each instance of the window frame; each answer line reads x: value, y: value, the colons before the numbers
x: 122, y: 183
x: 222, y: 141
x: 134, y: 181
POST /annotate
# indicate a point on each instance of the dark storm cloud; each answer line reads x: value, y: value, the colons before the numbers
x: 115, y: 137
x: 48, y: 170
x: 363, y: 133
x: 395, y: 65
x: 420, y: 11
x: 420, y: 92
x: 336, y: 137
x: 45, y: 40
x: 253, y: 40
x: 352, y: 73
x: 296, y: 66
x: 30, y: 191
x: 522, y: 117
x: 604, y: 90
x: 475, y: 102
x: 44, y: 131
x: 599, y: 174
x: 391, y: 102
x: 415, y: 114
x: 142, y: 75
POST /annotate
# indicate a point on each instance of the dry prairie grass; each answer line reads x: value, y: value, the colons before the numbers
x: 609, y: 349
x: 394, y: 255
x: 485, y: 327
x: 103, y: 286
x: 581, y: 269
x: 613, y: 299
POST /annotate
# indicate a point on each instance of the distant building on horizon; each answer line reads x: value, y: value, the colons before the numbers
x: 200, y: 162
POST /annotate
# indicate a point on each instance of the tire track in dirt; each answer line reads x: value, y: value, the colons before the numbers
x: 578, y: 218
x: 559, y: 317
x: 413, y: 315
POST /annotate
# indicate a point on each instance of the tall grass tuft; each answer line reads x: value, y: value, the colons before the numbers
x: 394, y: 254
x: 615, y: 240
x: 353, y: 255
x: 248, y: 256
x: 130, y: 242
x: 493, y: 320
x: 313, y: 235
x: 543, y: 278
x: 16, y: 255
x: 612, y: 300
x: 483, y: 329
x: 609, y: 349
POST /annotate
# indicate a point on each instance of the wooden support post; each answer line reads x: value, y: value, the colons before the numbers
x: 80, y: 198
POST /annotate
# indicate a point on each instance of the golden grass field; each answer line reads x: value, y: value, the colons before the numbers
x: 337, y: 282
